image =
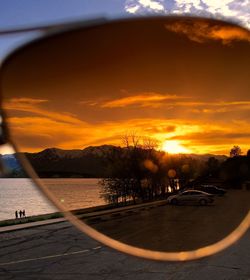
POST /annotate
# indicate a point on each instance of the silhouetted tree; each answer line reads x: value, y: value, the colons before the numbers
x: 140, y: 172
x: 136, y: 171
x: 235, y: 151
x: 248, y: 153
x: 212, y: 167
x: 235, y: 170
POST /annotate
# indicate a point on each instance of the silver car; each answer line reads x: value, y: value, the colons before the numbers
x: 191, y: 197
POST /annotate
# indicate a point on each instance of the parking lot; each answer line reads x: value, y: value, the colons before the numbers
x: 177, y: 228
x: 60, y: 251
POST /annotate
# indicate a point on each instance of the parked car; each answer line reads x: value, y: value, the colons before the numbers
x: 211, y: 189
x: 191, y: 197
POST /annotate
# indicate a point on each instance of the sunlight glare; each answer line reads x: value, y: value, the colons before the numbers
x: 174, y: 147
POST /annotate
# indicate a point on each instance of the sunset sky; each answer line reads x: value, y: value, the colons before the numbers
x: 183, y: 83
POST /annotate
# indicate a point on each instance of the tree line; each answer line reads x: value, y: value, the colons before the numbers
x: 140, y: 172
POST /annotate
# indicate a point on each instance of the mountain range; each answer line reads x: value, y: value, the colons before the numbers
x: 90, y: 162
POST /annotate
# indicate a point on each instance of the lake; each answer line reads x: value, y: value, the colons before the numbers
x: 19, y: 194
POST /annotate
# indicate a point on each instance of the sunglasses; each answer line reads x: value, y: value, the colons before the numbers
x: 137, y: 130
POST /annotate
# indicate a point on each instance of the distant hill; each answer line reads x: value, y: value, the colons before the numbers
x: 11, y: 162
x: 205, y: 157
x: 90, y: 162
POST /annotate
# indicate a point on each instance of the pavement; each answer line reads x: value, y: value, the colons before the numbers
x: 31, y: 225
x: 175, y: 228
x: 60, y: 251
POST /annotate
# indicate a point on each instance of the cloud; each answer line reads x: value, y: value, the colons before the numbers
x: 216, y: 139
x: 142, y: 100
x: 132, y: 9
x: 34, y: 127
x: 160, y: 129
x: 202, y: 30
x: 24, y: 100
x: 156, y: 100
x: 233, y: 10
x: 210, y: 107
x: 213, y: 137
x: 236, y: 10
x: 30, y: 105
x: 141, y: 6
x: 152, y: 4
x: 187, y: 6
x: 37, y: 133
x: 216, y: 106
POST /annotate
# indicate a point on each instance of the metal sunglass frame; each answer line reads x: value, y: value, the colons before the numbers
x: 54, y: 29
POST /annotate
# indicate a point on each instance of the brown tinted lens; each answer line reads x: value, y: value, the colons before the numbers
x: 131, y: 113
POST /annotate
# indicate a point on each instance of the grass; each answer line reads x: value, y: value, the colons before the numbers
x: 31, y: 219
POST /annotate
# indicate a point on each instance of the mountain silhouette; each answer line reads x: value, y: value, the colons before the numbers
x: 87, y: 163
x: 91, y: 162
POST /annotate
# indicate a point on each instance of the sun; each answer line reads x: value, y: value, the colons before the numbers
x: 174, y: 147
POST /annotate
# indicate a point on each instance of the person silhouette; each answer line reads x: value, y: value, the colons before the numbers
x: 24, y: 215
x: 16, y: 214
x: 20, y: 214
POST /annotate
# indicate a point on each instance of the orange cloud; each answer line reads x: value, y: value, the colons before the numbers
x: 36, y: 133
x: 155, y: 100
x: 32, y: 106
x: 25, y: 100
x: 210, y: 138
x: 39, y: 128
x: 202, y: 30
x: 142, y: 100
x: 213, y: 107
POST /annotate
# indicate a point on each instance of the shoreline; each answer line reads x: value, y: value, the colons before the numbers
x: 31, y: 219
x: 88, y: 212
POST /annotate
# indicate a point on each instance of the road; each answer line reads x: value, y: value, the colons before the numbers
x: 60, y: 251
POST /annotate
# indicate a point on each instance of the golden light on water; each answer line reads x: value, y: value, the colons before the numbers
x: 174, y: 147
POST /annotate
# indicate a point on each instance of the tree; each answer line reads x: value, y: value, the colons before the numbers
x: 235, y: 151
x: 235, y: 171
x: 136, y: 171
x: 212, y: 166
x: 248, y: 153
